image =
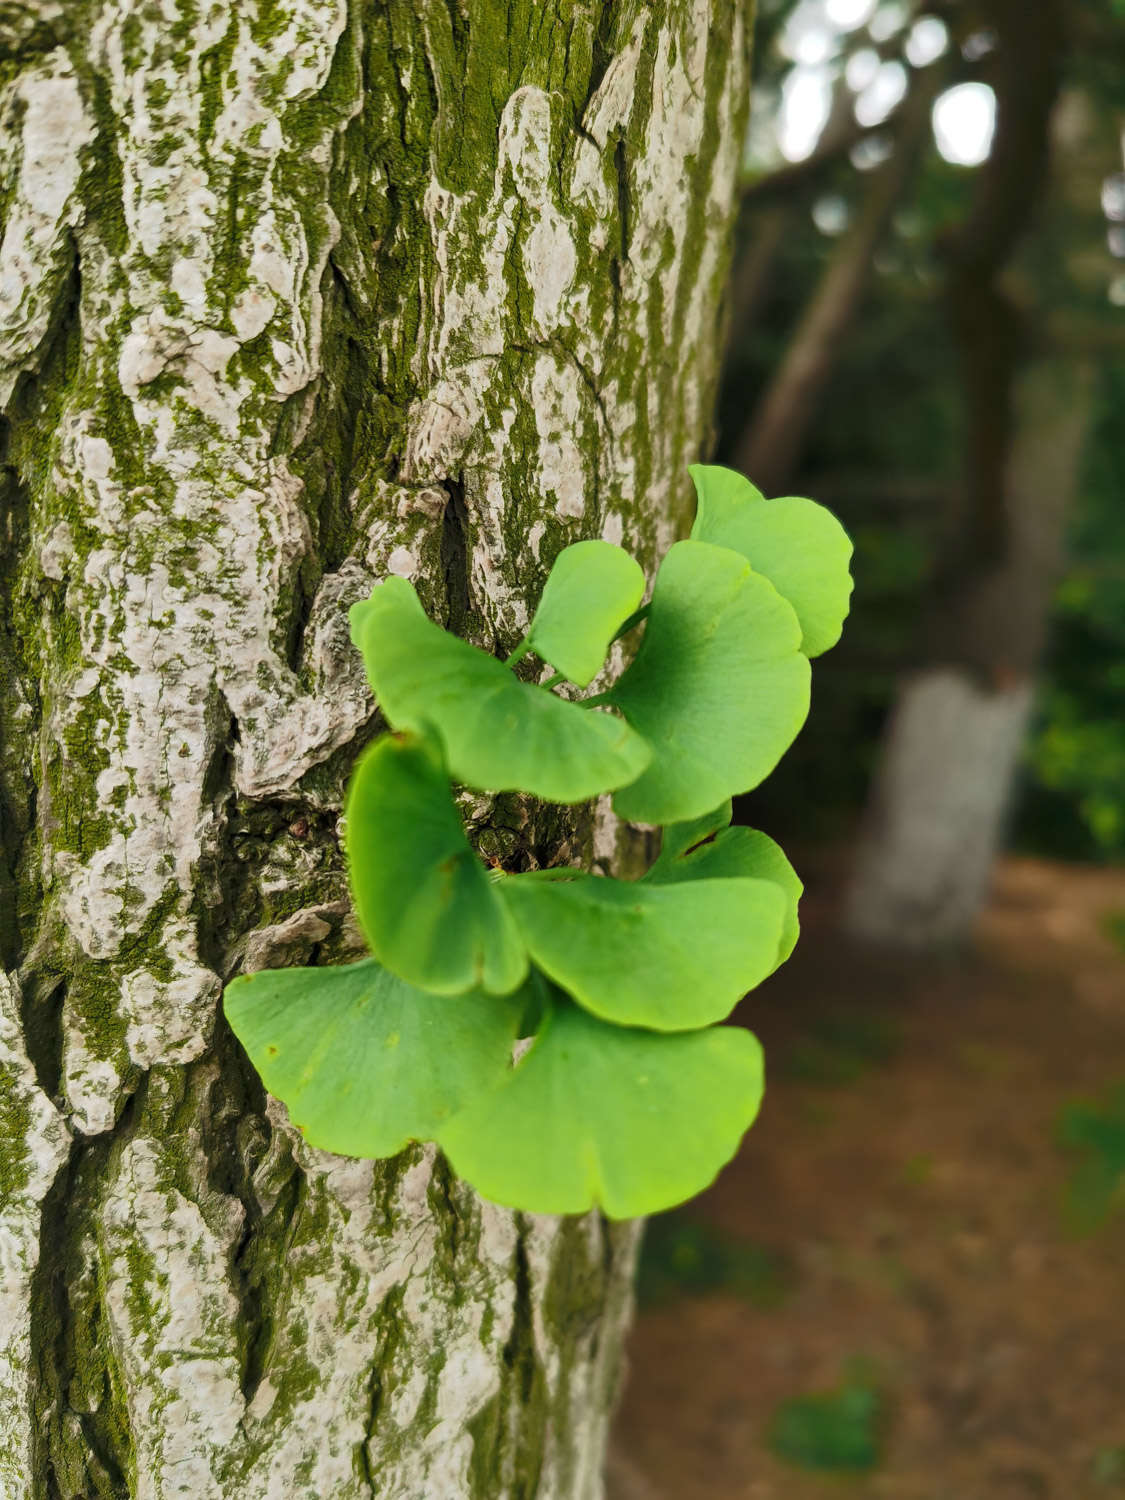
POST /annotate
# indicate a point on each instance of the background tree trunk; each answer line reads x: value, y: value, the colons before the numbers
x: 296, y: 294
x: 951, y: 751
x: 944, y: 779
x: 950, y: 755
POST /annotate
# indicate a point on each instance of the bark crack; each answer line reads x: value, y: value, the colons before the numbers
x: 72, y: 1349
x: 455, y: 555
x: 42, y: 1008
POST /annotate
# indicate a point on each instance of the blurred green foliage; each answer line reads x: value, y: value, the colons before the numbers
x: 1108, y: 1466
x: 918, y: 1169
x: 681, y: 1257
x: 1095, y: 1130
x: 839, y: 1048
x: 835, y: 1431
x: 1113, y: 925
x: 1074, y: 803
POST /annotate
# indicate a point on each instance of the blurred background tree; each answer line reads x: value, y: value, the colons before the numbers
x: 904, y: 1276
x: 928, y: 334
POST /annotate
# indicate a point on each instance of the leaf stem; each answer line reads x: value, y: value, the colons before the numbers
x: 595, y: 700
x: 518, y: 654
x: 553, y: 681
x: 633, y: 621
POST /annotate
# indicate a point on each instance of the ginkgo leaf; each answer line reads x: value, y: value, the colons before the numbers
x: 425, y: 902
x: 627, y: 1120
x: 365, y: 1062
x: 733, y: 854
x: 719, y: 686
x: 671, y: 957
x: 592, y: 589
x: 799, y: 546
x: 677, y: 838
x: 499, y: 734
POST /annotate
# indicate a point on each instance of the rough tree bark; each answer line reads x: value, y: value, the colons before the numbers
x: 296, y: 293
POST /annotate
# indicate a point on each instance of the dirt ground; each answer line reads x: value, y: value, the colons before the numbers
x: 904, y: 1221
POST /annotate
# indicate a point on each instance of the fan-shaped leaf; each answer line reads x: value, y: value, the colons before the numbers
x: 672, y: 957
x: 799, y: 546
x: 634, y: 1121
x: 734, y: 854
x: 592, y: 589
x: 677, y: 838
x: 719, y: 686
x: 364, y: 1061
x: 424, y: 900
x: 499, y: 734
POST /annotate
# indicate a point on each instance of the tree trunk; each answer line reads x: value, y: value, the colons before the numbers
x: 949, y: 759
x: 296, y: 294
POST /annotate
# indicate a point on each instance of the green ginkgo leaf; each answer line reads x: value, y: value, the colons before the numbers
x: 425, y: 902
x: 598, y: 1115
x: 592, y: 589
x: 799, y: 546
x: 499, y: 734
x: 677, y: 838
x: 719, y: 686
x: 732, y: 854
x: 671, y: 957
x: 365, y: 1062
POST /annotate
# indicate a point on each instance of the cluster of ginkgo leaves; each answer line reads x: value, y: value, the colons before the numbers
x: 629, y: 1096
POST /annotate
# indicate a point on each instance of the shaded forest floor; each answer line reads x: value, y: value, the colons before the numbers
x: 911, y: 1283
